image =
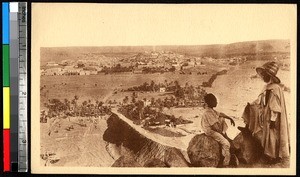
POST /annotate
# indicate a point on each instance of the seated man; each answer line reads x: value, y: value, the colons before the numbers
x: 213, y: 124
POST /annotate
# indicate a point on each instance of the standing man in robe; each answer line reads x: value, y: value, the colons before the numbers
x: 275, y: 139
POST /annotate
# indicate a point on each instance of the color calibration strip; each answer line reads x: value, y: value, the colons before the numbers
x: 22, y: 89
x: 14, y: 59
x: 14, y: 54
x: 6, y: 86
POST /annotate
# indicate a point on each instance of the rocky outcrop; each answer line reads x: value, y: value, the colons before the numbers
x: 143, y: 149
x: 155, y: 163
x: 126, y: 161
x: 248, y: 148
x: 204, y: 151
x: 174, y: 158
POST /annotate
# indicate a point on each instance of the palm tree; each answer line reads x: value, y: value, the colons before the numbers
x: 186, y: 84
x: 145, y: 86
x: 133, y: 100
x: 140, y: 108
x: 166, y: 83
x: 176, y: 84
x: 125, y: 100
x: 172, y: 99
x: 134, y: 95
x: 100, y: 104
x: 76, y: 97
x: 152, y: 101
x: 152, y: 86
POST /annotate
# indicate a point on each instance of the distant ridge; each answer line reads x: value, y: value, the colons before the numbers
x: 216, y: 50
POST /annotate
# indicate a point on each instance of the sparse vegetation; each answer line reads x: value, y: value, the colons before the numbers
x: 67, y: 108
x: 149, y: 116
x: 187, y: 95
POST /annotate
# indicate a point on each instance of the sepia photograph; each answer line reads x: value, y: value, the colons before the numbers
x: 163, y: 88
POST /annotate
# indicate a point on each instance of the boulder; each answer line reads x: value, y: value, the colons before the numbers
x: 248, y: 148
x: 114, y: 132
x: 120, y: 133
x: 126, y: 161
x: 204, y: 151
x: 154, y: 163
x: 174, y: 158
x: 113, y: 136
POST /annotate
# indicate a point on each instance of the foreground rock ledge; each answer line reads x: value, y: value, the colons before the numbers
x: 143, y: 150
x: 204, y: 151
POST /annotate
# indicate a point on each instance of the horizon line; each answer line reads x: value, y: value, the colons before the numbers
x: 172, y: 44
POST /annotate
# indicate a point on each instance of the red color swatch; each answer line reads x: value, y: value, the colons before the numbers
x: 6, y: 150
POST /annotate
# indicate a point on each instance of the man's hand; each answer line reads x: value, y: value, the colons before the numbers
x: 272, y: 124
x: 232, y: 122
x: 227, y: 117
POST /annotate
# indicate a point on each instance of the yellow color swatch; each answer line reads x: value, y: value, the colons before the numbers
x: 6, y: 107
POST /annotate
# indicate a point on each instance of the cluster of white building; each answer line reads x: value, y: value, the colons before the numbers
x: 71, y: 68
x: 232, y: 60
x: 63, y: 71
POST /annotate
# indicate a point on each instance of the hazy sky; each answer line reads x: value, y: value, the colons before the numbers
x: 114, y: 25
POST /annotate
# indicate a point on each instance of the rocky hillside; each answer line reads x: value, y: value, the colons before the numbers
x: 202, y: 151
x: 142, y: 150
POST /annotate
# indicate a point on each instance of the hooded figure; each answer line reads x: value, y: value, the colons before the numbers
x: 275, y: 131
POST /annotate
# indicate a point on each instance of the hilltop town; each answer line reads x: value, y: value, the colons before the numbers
x: 158, y: 59
x: 146, y: 62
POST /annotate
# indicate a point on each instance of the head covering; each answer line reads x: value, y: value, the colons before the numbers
x: 270, y: 68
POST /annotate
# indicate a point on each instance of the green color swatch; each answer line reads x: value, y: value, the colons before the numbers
x: 5, y: 60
